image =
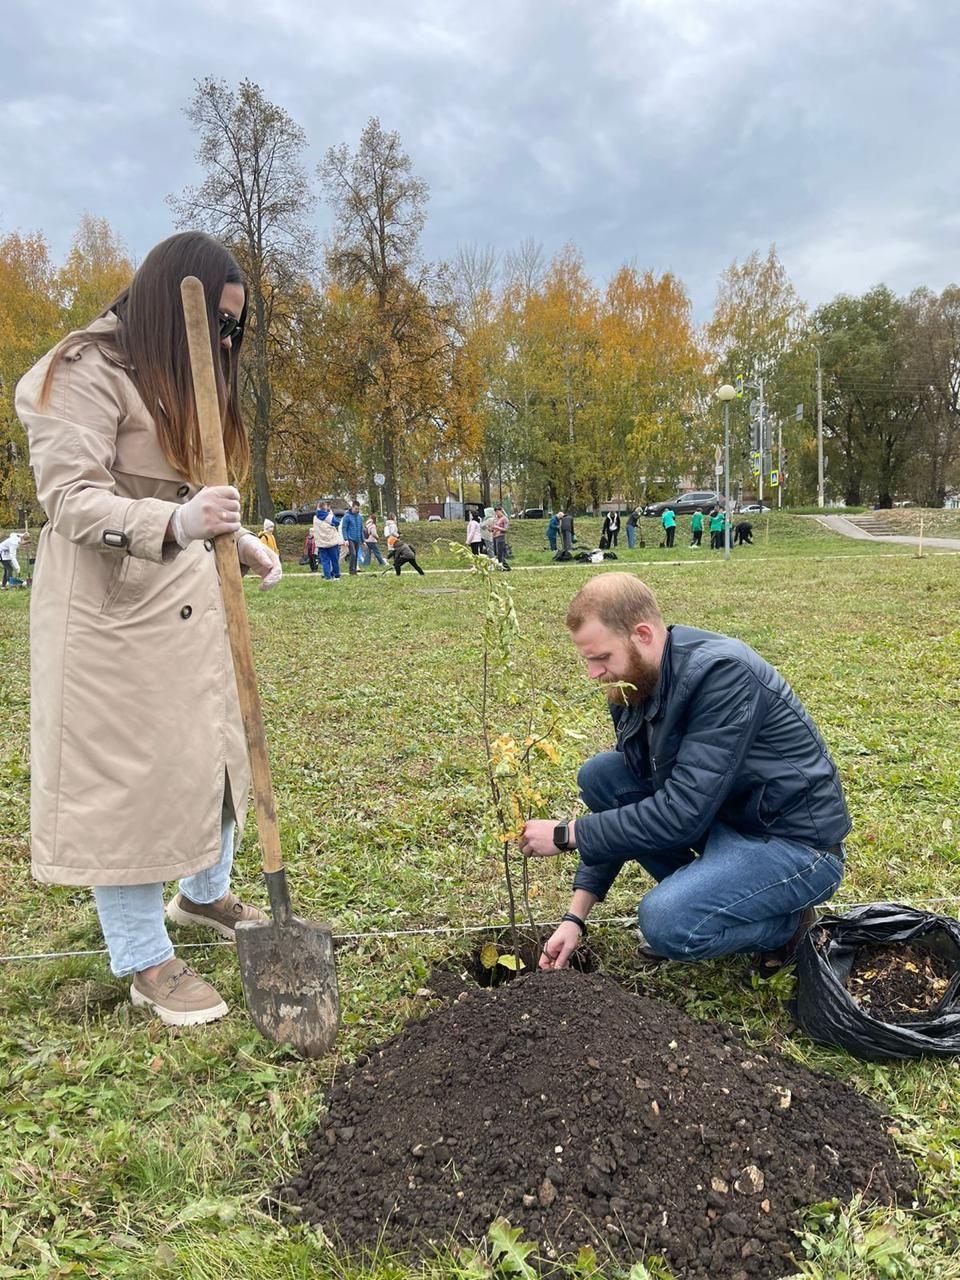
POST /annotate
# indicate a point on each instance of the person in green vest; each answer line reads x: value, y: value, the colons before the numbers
x: 669, y: 522
x: 716, y: 525
x: 716, y: 529
x: 696, y: 527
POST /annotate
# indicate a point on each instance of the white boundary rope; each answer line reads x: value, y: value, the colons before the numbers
x: 442, y: 930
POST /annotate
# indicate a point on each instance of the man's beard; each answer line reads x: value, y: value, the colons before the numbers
x: 642, y: 674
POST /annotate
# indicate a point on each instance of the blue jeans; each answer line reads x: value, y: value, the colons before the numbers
x: 631, y: 535
x: 373, y: 552
x: 330, y: 561
x: 131, y: 915
x: 732, y: 893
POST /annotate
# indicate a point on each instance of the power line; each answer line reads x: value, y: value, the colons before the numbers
x: 430, y: 931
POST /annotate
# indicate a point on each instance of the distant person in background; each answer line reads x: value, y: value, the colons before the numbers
x: 553, y: 530
x: 474, y: 539
x: 486, y: 534
x: 611, y: 527
x: 696, y: 529
x: 631, y: 527
x: 8, y: 557
x: 310, y: 552
x: 267, y: 538
x: 566, y: 529
x: 669, y: 522
x: 371, y: 540
x: 327, y: 540
x: 390, y: 529
x: 351, y: 530
x: 498, y: 527
x: 402, y: 553
x: 716, y: 529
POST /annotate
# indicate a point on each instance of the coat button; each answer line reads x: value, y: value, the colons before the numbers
x: 208, y: 544
x: 183, y: 491
x: 185, y: 612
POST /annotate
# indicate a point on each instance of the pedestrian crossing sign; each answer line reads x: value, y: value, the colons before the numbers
x: 774, y: 479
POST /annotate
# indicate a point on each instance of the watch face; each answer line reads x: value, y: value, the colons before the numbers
x: 560, y: 836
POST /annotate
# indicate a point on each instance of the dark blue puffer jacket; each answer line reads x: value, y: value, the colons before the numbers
x: 723, y: 738
x: 351, y: 526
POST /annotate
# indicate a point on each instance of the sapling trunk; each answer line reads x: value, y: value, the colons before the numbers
x: 497, y: 804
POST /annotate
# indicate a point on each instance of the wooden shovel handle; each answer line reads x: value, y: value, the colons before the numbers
x: 228, y: 566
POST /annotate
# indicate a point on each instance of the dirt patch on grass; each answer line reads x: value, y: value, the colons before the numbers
x: 502, y: 958
x: 899, y: 983
x: 586, y: 1115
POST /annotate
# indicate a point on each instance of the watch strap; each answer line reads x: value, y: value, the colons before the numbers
x: 574, y: 919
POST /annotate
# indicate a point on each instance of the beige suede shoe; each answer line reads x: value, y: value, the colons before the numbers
x: 178, y: 996
x: 223, y: 915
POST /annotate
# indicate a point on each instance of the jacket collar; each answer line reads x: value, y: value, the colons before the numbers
x: 650, y: 708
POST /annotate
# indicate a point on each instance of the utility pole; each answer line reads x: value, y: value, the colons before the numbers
x: 820, y: 501
x: 762, y: 443
x: 780, y: 465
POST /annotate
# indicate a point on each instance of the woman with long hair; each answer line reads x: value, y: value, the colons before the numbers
x: 139, y: 764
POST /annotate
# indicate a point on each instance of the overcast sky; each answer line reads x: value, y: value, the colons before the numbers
x: 677, y: 134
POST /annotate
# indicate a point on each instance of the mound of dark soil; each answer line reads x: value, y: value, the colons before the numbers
x: 899, y: 983
x: 586, y: 1115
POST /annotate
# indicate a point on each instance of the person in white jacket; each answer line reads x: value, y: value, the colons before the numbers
x: 474, y: 538
x: 8, y: 556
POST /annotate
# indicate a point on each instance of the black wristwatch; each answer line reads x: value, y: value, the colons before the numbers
x: 561, y: 835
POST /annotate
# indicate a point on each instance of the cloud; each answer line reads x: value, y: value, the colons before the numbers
x: 674, y: 133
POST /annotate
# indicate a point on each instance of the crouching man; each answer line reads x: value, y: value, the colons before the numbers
x: 719, y: 786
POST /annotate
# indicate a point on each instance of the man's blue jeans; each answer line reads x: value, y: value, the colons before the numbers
x: 631, y: 535
x: 732, y: 893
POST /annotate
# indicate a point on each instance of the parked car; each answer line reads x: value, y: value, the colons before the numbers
x: 304, y: 514
x: 686, y: 503
x: 754, y: 509
x: 434, y: 519
x: 297, y: 515
x: 532, y: 513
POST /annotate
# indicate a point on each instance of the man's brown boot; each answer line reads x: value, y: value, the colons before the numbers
x: 766, y: 963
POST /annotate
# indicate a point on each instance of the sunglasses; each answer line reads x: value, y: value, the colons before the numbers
x: 230, y: 326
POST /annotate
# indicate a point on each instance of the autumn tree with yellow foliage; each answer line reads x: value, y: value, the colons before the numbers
x: 39, y: 304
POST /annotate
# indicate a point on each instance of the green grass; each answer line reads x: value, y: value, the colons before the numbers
x: 127, y: 1149
x: 776, y: 534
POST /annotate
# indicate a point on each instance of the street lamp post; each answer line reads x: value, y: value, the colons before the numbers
x: 726, y: 393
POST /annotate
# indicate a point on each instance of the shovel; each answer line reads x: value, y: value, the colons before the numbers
x: 286, y: 965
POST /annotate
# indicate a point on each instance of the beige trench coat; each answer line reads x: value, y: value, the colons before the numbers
x: 135, y: 723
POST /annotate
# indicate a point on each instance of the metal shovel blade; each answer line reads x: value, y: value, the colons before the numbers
x: 290, y: 982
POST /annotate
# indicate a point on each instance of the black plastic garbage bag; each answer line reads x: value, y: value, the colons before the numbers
x: 827, y: 1012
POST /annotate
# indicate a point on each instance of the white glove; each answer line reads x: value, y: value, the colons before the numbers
x: 258, y: 557
x: 210, y: 512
